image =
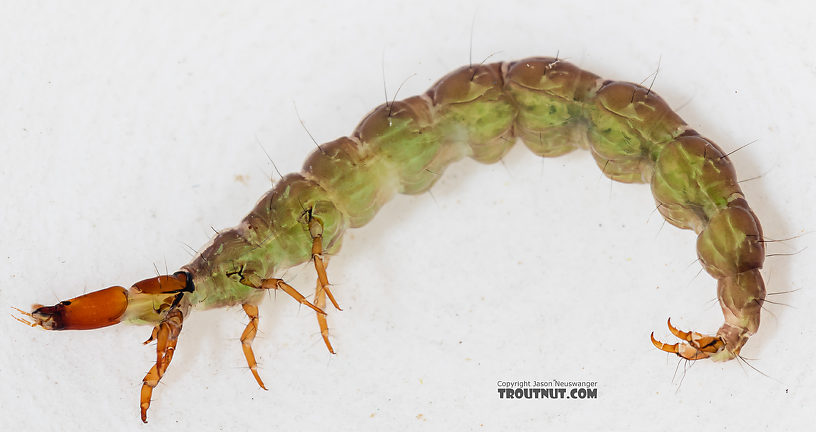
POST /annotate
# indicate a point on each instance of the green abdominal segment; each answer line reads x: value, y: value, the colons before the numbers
x: 480, y: 111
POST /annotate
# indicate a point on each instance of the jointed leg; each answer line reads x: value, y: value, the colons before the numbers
x: 322, y: 290
x: 320, y: 301
x: 166, y: 336
x: 246, y: 341
x: 316, y: 231
x: 288, y: 289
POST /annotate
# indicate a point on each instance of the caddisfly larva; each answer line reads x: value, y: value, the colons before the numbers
x: 477, y: 111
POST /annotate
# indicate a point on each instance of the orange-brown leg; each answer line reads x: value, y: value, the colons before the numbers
x: 320, y: 301
x: 246, y: 341
x: 288, y: 289
x: 166, y: 336
x: 316, y: 231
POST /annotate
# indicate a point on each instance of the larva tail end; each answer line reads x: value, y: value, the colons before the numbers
x: 696, y: 346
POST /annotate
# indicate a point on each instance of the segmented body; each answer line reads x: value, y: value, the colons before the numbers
x: 479, y: 111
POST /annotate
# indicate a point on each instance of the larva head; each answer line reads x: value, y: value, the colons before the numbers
x: 145, y: 301
x: 93, y: 310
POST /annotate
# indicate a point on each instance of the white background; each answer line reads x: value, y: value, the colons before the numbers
x: 129, y: 129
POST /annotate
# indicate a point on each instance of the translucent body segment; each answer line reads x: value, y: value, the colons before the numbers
x: 693, y: 180
x: 273, y: 237
x: 357, y: 182
x: 217, y: 269
x: 731, y: 242
x: 741, y: 297
x: 550, y: 95
x: 626, y: 170
x: 149, y: 300
x: 473, y: 111
x: 552, y: 76
x: 638, y: 110
x: 629, y: 125
x: 289, y: 205
x: 399, y: 132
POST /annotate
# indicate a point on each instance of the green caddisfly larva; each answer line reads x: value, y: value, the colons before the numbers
x: 477, y: 111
